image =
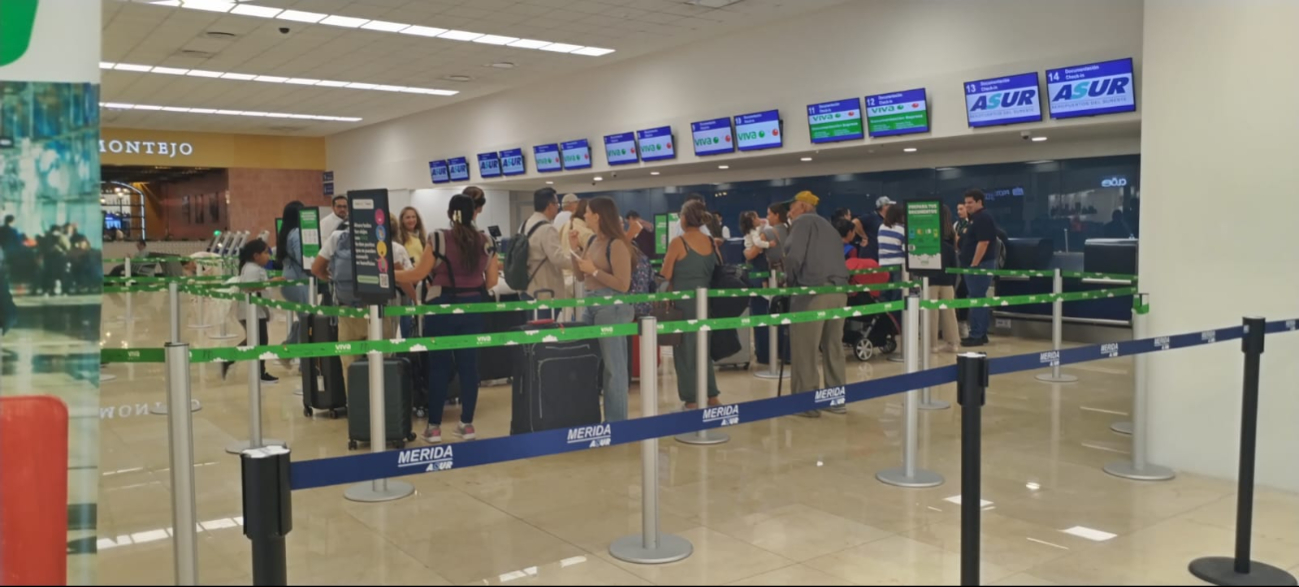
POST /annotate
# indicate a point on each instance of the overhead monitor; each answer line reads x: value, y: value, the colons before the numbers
x: 1093, y: 89
x: 489, y: 165
x: 512, y: 162
x: 898, y: 113
x: 547, y: 157
x: 760, y: 130
x: 439, y: 172
x: 620, y: 149
x: 713, y: 137
x: 1003, y: 100
x: 656, y: 144
x: 577, y: 154
x: 835, y: 121
x: 459, y: 168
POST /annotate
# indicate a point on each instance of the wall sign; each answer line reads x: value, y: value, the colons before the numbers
x: 1117, y: 181
x: 160, y: 148
x: 924, y: 244
x: 371, y: 234
x: 309, y: 234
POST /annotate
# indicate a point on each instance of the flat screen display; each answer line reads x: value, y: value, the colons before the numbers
x: 489, y: 165
x: 1091, y: 90
x: 458, y: 168
x: 835, y: 121
x: 547, y: 157
x: 620, y: 149
x: 438, y: 171
x: 512, y: 162
x: 577, y: 154
x: 713, y: 137
x: 898, y: 113
x: 1003, y: 100
x: 760, y: 130
x: 656, y: 144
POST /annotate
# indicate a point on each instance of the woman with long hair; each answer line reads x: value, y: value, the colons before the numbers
x: 288, y: 254
x: 606, y: 269
x: 411, y: 233
x: 687, y: 266
x: 253, y: 258
x: 576, y: 234
x: 463, y: 266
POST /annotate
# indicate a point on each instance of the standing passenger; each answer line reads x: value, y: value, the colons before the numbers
x: 689, y: 265
x: 288, y: 253
x: 813, y: 258
x: 607, y: 270
x: 546, y: 260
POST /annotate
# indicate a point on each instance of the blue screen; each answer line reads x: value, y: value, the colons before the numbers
x: 1003, y: 100
x: 547, y: 157
x: 760, y: 130
x: 459, y: 167
x: 489, y: 165
x: 1093, y: 89
x: 713, y: 137
x: 576, y: 154
x: 438, y: 171
x: 620, y: 149
x: 835, y: 121
x: 512, y: 162
x: 656, y: 144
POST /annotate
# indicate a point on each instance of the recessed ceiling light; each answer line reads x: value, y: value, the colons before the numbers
x: 260, y: 11
x: 805, y: 159
x: 458, y: 78
x: 301, y: 16
x: 598, y: 178
x: 205, y: 73
x: 561, y: 47
x: 723, y: 166
x: 423, y: 31
x: 495, y: 40
x: 170, y: 70
x: 274, y: 79
x: 593, y: 51
x: 385, y: 26
x: 243, y: 77
x: 460, y: 35
x: 132, y: 67
x: 1038, y: 139
x: 302, y: 81
x: 503, y: 65
x: 344, y: 21
x: 529, y: 44
x: 209, y: 5
x: 909, y: 150
x: 654, y: 173
x: 333, y: 84
x: 550, y: 183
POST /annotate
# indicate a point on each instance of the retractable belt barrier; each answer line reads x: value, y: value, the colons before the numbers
x: 363, y: 467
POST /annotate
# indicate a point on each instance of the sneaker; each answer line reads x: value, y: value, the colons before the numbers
x: 269, y: 379
x: 225, y: 369
x: 466, y: 431
x: 432, y: 434
x: 811, y: 414
x: 975, y: 341
x: 689, y: 406
x: 840, y: 410
x: 713, y: 401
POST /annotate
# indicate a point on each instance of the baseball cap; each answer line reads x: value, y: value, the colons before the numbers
x: 883, y: 201
x: 569, y: 199
x: 804, y: 196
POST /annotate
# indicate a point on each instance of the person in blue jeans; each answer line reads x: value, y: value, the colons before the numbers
x: 606, y: 269
x: 978, y: 251
x: 288, y: 253
x: 463, y: 265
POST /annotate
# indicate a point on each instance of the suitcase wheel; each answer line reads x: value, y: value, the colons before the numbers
x: 420, y: 413
x: 411, y: 437
x: 351, y: 445
x: 333, y: 414
x: 400, y: 444
x: 306, y: 412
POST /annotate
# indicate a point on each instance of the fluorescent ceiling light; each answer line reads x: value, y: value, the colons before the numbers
x: 209, y: 5
x: 300, y: 16
x: 243, y: 77
x: 205, y: 73
x: 723, y: 166
x: 230, y: 112
x: 147, y: 107
x: 1038, y: 139
x: 333, y: 84
x: 654, y: 173
x: 593, y: 51
x: 271, y: 79
x: 118, y: 105
x: 385, y: 88
x: 909, y: 150
x: 460, y: 35
x: 423, y: 31
x: 252, y: 113
x: 495, y: 40
x: 344, y: 21
x: 561, y: 48
x: 175, y: 109
x: 385, y: 26
x: 106, y: 64
x: 529, y: 44
x: 259, y: 11
x: 805, y: 159
x: 249, y: 113
x: 550, y: 183
x: 202, y: 111
x: 132, y: 67
x: 170, y: 70
x: 302, y: 81
x: 361, y: 86
x: 430, y: 92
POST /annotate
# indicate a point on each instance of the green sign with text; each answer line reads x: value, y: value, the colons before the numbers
x: 17, y: 19
x: 924, y: 236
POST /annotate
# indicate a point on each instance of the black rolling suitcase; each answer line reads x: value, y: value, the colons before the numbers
x: 556, y: 384
x: 396, y: 398
x: 322, y: 377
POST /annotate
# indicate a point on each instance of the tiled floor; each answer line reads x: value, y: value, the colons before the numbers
x: 785, y: 502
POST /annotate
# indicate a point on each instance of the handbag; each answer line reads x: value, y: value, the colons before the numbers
x: 668, y: 312
x: 726, y: 277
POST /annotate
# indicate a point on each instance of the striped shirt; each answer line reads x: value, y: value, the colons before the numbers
x: 891, y: 239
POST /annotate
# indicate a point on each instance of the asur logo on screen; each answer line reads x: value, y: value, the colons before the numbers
x: 1092, y: 89
x: 1010, y: 99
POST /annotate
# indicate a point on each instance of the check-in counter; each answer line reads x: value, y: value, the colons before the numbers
x: 1098, y: 256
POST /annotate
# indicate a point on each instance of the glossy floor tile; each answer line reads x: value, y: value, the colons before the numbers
x: 790, y: 501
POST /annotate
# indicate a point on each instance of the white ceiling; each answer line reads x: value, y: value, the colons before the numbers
x: 139, y: 33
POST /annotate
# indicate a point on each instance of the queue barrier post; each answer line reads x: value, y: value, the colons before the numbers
x: 651, y: 547
x: 173, y: 300
x: 180, y: 435
x: 774, y: 359
x: 268, y: 511
x: 224, y: 333
x: 1057, y: 332
x: 703, y: 366
x: 972, y: 393
x: 909, y: 475
x: 1138, y: 469
x: 130, y: 317
x: 1241, y: 570
x: 255, y: 439
x: 926, y: 324
x: 903, y: 277
x: 377, y: 490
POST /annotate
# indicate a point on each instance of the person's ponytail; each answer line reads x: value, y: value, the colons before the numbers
x: 469, y: 242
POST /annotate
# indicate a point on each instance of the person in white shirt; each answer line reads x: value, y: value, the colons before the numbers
x: 330, y: 223
x: 253, y: 258
x: 567, y: 207
x: 753, y: 237
x: 674, y: 228
x: 546, y: 259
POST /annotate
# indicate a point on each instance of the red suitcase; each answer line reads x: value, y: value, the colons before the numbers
x: 33, y: 490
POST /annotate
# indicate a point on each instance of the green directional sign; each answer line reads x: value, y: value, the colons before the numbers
x: 17, y: 19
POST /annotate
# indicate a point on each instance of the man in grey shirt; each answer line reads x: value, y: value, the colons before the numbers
x: 813, y: 258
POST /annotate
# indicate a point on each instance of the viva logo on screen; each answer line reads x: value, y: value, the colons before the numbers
x: 1006, y: 100
x: 17, y: 20
x: 1092, y: 89
x: 760, y: 130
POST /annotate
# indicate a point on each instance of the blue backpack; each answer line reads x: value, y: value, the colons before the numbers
x: 341, y: 271
x: 642, y: 279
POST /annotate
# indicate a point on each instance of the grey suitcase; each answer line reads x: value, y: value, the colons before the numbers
x: 744, y: 357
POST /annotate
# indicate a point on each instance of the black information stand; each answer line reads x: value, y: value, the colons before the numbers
x: 367, y: 214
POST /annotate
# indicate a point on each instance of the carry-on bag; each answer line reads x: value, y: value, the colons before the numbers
x: 556, y: 384
x: 396, y: 403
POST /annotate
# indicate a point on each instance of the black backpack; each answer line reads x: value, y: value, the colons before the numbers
x: 516, y: 259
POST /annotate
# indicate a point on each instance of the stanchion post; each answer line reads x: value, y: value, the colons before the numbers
x: 377, y: 490
x: 1057, y: 332
x: 1241, y: 570
x: 703, y: 366
x: 971, y: 392
x: 902, y: 278
x: 129, y: 295
x: 909, y: 475
x: 773, y: 343
x: 650, y: 547
x: 926, y: 346
x: 255, y: 439
x: 180, y: 435
x: 268, y: 511
x: 173, y: 302
x: 1138, y: 469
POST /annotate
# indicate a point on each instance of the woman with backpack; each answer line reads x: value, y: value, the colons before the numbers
x: 607, y: 269
x: 689, y: 264
x: 463, y: 265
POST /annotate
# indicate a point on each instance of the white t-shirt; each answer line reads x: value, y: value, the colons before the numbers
x: 329, y: 224
x: 754, y: 239
x: 675, y: 231
x: 253, y: 273
x: 562, y: 218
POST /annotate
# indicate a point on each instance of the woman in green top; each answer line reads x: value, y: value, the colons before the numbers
x: 689, y: 265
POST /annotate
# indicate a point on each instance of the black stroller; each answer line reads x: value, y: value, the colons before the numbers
x: 873, y: 335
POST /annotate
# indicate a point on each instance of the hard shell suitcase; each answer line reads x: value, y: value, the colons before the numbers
x: 760, y: 306
x: 743, y: 357
x: 556, y: 384
x: 322, y: 377
x: 396, y: 399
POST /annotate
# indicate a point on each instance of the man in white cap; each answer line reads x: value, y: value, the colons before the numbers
x: 567, y: 206
x: 872, y: 223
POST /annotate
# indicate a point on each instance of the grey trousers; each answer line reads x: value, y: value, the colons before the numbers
x: 808, y: 339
